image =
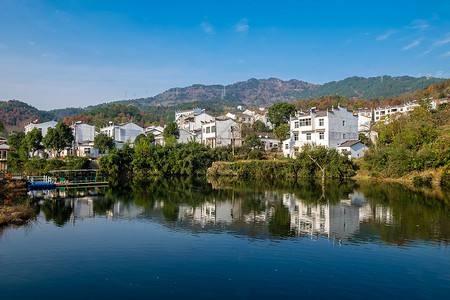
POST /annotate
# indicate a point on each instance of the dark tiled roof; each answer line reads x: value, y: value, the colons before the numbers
x: 349, y: 143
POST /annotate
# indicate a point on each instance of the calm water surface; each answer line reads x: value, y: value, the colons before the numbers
x: 197, y: 239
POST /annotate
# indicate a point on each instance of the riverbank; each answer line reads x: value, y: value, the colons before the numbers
x: 15, y: 215
x: 11, y: 214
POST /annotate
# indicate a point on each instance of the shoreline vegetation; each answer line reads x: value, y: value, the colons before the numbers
x: 12, y: 214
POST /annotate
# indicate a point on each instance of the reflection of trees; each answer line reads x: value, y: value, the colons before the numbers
x: 103, y: 204
x: 414, y: 215
x: 170, y: 211
x: 57, y: 211
x: 280, y: 222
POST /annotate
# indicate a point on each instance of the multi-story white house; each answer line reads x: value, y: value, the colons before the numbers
x: 322, y: 128
x: 43, y: 127
x: 259, y: 115
x: 221, y: 132
x: 122, y: 133
x: 191, y: 120
x: 84, y: 135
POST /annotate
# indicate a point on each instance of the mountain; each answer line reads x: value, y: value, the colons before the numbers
x: 265, y: 92
x: 253, y: 92
x: 372, y: 87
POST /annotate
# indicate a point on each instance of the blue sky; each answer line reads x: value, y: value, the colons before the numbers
x: 56, y: 54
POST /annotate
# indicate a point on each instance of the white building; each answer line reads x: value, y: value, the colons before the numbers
x: 122, y: 133
x: 84, y: 135
x: 186, y: 137
x: 268, y: 141
x: 353, y: 149
x: 43, y: 127
x: 322, y: 128
x: 191, y: 120
x: 220, y: 132
x: 259, y: 115
x: 240, y: 117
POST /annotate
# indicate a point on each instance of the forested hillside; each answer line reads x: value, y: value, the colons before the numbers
x: 16, y: 114
x: 265, y: 92
x: 372, y: 87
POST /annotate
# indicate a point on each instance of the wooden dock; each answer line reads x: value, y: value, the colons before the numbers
x: 66, y: 179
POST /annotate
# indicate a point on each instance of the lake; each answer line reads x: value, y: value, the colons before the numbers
x: 223, y: 240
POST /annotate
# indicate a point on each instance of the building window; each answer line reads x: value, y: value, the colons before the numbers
x: 286, y: 146
x: 321, y: 122
x: 321, y: 135
x: 308, y: 136
x: 208, y: 129
x: 343, y: 122
x: 203, y: 130
x: 213, y: 129
x: 343, y: 136
x: 296, y: 124
x: 305, y: 122
x: 295, y: 136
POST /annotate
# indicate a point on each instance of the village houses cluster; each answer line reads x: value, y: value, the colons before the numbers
x: 336, y: 128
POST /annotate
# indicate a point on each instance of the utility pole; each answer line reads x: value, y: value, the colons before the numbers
x: 232, y: 140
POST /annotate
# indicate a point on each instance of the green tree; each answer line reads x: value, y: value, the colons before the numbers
x: 58, y: 138
x: 171, y: 129
x: 33, y: 140
x: 18, y: 157
x: 16, y: 140
x: 281, y: 132
x: 103, y: 142
x: 259, y: 126
x: 142, y: 138
x: 252, y: 141
x: 280, y: 112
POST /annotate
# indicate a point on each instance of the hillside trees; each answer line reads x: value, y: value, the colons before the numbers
x: 410, y: 142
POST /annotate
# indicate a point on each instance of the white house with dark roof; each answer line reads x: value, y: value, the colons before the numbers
x: 84, y: 135
x: 191, y: 120
x: 220, y: 132
x: 328, y: 128
x: 122, y: 133
x: 353, y: 149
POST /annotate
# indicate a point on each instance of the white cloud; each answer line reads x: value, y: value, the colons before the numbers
x: 207, y: 28
x: 387, y: 34
x: 242, y: 26
x: 31, y: 43
x: 438, y: 43
x: 442, y: 42
x: 439, y: 73
x: 412, y: 45
x: 447, y: 53
x: 419, y: 24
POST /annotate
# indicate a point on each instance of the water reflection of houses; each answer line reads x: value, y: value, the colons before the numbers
x: 340, y: 220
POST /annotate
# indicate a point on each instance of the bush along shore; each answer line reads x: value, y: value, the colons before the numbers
x: 193, y: 159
